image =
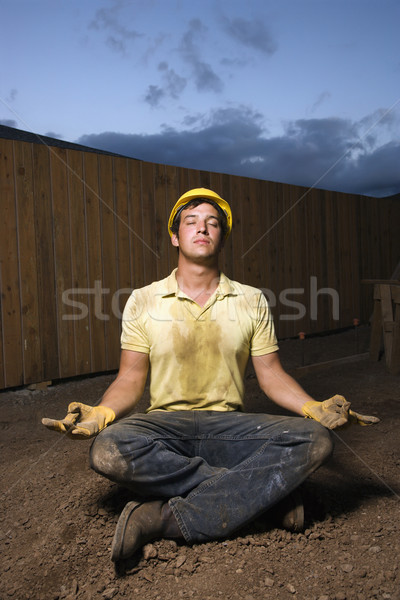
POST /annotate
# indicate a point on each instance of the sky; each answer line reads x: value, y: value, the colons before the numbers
x: 305, y: 92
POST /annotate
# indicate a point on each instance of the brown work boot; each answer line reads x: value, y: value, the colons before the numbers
x: 288, y: 513
x: 140, y: 523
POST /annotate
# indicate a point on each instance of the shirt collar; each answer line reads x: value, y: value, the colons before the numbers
x: 225, y: 287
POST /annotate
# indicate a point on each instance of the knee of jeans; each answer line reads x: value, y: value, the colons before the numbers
x: 322, y: 444
x: 106, y: 458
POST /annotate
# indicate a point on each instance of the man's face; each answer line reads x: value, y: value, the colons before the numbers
x: 199, y: 232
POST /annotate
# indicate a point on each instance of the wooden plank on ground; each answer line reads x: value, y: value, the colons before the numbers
x: 31, y: 341
x: 10, y: 283
x: 395, y: 358
x: 387, y: 321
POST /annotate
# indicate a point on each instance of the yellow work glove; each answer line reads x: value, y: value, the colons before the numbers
x: 335, y: 412
x: 82, y: 421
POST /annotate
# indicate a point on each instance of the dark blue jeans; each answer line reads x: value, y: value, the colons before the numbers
x: 217, y: 470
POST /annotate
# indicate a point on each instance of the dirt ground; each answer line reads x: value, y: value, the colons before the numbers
x: 58, y: 517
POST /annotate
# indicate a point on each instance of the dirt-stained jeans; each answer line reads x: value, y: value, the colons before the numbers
x: 218, y: 470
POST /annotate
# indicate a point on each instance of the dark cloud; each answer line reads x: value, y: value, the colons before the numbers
x: 320, y: 100
x: 9, y: 122
x: 326, y: 153
x: 173, y: 86
x: 12, y: 95
x: 107, y: 19
x: 154, y: 95
x: 252, y: 33
x: 204, y: 76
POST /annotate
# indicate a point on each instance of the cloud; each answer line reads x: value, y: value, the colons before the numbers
x: 107, y: 19
x: 203, y: 74
x: 327, y: 153
x: 252, y: 33
x: 154, y: 95
x: 9, y: 123
x: 320, y: 100
x: 12, y: 95
x: 173, y: 86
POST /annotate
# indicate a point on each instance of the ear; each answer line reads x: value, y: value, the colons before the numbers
x: 175, y: 240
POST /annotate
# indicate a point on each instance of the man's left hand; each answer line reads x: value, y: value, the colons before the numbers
x: 335, y: 412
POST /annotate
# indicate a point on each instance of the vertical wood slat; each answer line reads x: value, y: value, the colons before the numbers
x: 95, y: 266
x: 62, y: 254
x: 136, y: 223
x: 45, y: 261
x: 171, y: 196
x: 12, y: 367
x: 151, y: 257
x: 78, y: 297
x: 109, y: 280
x: 30, y: 332
x: 124, y: 247
x: 161, y: 219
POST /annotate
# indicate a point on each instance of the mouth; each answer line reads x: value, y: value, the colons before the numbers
x: 202, y: 241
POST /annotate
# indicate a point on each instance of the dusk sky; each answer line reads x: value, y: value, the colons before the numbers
x: 298, y: 91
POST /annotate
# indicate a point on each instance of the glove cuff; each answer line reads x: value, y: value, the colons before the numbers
x: 107, y: 412
x: 307, y: 406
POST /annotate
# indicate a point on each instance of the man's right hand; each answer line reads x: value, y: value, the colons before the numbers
x: 82, y: 421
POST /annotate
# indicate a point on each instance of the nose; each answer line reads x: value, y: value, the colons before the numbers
x: 202, y: 227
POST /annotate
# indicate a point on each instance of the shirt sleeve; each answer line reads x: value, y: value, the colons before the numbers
x: 264, y: 340
x: 134, y: 336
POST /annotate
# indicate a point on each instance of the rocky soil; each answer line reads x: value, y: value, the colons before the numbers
x: 58, y: 517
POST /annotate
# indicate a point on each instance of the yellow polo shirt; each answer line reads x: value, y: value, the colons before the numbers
x: 198, y: 355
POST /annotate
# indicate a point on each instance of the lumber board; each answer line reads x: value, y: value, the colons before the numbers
x: 44, y: 226
x: 78, y: 313
x: 10, y: 284
x: 94, y: 261
x: 109, y: 219
x: 30, y: 322
x: 62, y: 254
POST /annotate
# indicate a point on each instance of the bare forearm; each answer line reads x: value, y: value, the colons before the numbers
x: 122, y: 397
x: 125, y: 392
x: 286, y: 392
x: 278, y: 385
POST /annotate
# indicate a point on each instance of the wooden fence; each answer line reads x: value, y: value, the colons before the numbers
x: 80, y: 229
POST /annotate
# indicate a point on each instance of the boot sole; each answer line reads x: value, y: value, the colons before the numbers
x: 118, y: 540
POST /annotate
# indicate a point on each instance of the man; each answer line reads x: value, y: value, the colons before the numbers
x: 198, y: 466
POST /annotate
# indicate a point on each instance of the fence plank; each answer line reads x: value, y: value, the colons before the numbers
x: 161, y: 220
x: 10, y: 284
x: 78, y: 296
x: 62, y: 253
x: 124, y: 250
x: 45, y: 261
x: 109, y: 260
x: 95, y: 270
x: 150, y: 254
x: 31, y: 341
x: 172, y: 195
x: 136, y: 222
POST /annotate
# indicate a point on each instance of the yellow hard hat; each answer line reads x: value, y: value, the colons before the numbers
x: 201, y: 193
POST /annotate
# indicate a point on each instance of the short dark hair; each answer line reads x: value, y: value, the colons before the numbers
x: 196, y: 202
